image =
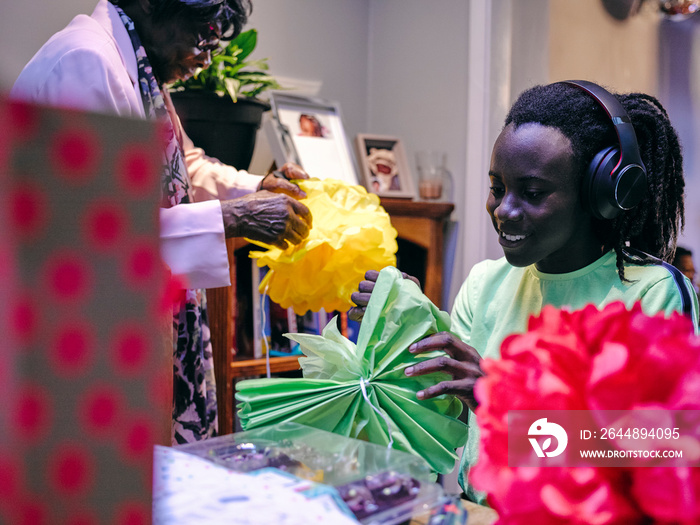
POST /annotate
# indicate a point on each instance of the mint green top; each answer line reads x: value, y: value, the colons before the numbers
x: 497, y: 300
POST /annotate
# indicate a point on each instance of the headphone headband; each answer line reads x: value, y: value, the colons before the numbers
x: 618, y: 116
x: 617, y: 177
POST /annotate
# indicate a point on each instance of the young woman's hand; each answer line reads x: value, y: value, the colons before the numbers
x: 362, y: 295
x: 462, y: 362
x: 364, y: 292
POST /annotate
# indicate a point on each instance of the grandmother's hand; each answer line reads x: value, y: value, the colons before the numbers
x: 280, y: 184
x: 364, y: 292
x: 462, y: 362
x: 272, y: 218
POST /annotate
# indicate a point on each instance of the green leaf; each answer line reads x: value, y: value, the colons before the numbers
x: 255, y: 76
x: 225, y: 59
x: 232, y: 87
x: 230, y: 73
x: 246, y: 42
x: 260, y: 64
x: 252, y: 93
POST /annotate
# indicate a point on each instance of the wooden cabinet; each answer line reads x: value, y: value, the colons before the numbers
x: 420, y: 228
x: 422, y: 224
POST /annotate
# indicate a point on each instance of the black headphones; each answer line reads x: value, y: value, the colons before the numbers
x: 616, y: 179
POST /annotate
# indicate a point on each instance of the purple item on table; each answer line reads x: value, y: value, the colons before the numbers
x: 378, y: 493
x: 246, y: 457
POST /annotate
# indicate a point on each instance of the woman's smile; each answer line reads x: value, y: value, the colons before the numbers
x: 510, y: 239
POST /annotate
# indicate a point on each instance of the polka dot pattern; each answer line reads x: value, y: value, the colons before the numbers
x: 32, y: 412
x: 5, y: 264
x: 76, y: 155
x: 71, y: 469
x: 172, y: 294
x: 161, y: 391
x: 28, y: 205
x: 81, y: 517
x: 137, y: 437
x: 72, y: 349
x: 31, y: 511
x: 105, y: 224
x: 100, y: 410
x: 11, y: 477
x: 68, y: 277
x: 130, y: 347
x: 132, y: 514
x: 79, y: 245
x: 136, y: 171
x: 23, y: 318
x: 141, y: 263
x: 24, y: 120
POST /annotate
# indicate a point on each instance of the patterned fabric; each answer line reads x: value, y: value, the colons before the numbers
x: 194, y: 387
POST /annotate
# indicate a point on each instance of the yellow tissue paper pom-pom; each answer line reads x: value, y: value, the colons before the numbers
x: 351, y: 234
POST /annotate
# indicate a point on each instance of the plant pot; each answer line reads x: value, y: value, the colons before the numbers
x: 224, y: 129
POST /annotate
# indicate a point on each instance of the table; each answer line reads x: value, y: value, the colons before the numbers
x: 477, y: 515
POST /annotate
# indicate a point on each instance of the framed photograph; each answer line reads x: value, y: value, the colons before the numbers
x: 384, y: 167
x: 309, y: 131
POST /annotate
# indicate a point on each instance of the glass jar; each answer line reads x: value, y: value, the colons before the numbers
x: 434, y: 179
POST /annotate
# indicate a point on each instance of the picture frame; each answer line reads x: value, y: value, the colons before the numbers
x: 384, y: 166
x: 309, y: 131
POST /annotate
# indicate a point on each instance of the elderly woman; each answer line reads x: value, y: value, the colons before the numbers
x: 117, y: 61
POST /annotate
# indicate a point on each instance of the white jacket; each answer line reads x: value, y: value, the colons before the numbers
x: 90, y: 65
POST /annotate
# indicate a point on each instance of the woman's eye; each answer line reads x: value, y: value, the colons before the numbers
x: 533, y: 194
x: 496, y: 191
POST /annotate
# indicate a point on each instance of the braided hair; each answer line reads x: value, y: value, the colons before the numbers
x: 652, y: 226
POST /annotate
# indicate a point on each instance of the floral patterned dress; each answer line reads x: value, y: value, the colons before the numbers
x: 194, y: 387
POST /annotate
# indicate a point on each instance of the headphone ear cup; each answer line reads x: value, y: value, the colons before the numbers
x: 598, y: 185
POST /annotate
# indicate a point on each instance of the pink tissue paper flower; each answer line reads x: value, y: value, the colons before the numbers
x: 609, y: 359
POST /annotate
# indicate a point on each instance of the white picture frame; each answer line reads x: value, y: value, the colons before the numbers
x: 309, y: 132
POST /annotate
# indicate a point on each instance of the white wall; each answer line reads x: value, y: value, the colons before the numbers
x: 319, y: 40
x: 26, y: 25
x: 418, y: 75
x: 417, y: 85
x: 323, y: 40
x: 679, y: 91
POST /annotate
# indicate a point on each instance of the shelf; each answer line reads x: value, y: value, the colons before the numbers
x: 418, y: 222
x: 258, y: 367
x: 429, y: 210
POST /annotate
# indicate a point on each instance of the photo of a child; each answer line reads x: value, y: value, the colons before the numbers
x: 310, y: 126
x: 384, y: 166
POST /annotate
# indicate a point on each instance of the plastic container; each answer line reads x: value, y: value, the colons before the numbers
x: 398, y: 485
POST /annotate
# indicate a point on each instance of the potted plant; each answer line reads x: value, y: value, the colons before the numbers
x: 218, y: 106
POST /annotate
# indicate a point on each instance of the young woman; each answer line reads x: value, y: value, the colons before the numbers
x: 559, y: 248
